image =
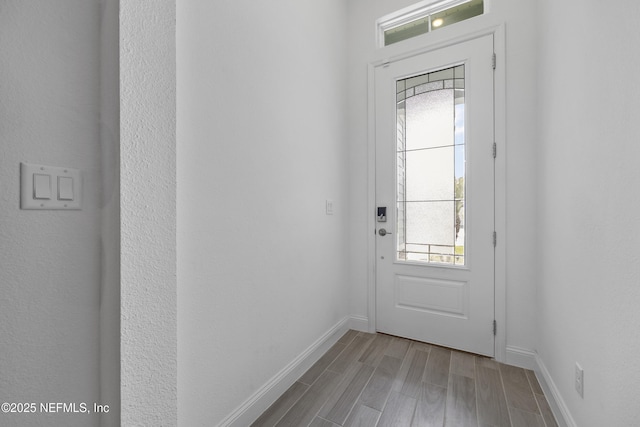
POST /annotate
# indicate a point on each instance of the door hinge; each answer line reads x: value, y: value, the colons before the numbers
x: 493, y: 61
x: 495, y: 328
x: 495, y: 150
x: 495, y: 239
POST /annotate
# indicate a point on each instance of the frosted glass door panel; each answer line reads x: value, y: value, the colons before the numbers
x: 430, y: 119
x: 430, y: 167
x: 430, y: 223
x: 429, y: 174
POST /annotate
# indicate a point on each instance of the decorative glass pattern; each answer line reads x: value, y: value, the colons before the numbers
x: 431, y: 167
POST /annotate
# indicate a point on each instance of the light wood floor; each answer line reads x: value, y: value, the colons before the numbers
x: 373, y: 380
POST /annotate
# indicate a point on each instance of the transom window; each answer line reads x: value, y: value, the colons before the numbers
x: 423, y: 18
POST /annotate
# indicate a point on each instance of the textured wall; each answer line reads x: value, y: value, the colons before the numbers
x: 261, y: 146
x: 50, y: 261
x: 589, y: 235
x: 147, y: 179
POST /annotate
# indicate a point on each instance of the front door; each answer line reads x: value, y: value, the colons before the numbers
x: 435, y: 197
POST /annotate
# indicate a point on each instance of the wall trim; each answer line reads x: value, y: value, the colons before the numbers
x: 258, y: 402
x: 521, y: 357
x: 529, y: 359
x: 556, y: 402
x: 359, y: 323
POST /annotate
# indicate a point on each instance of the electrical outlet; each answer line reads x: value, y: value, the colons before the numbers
x: 579, y: 380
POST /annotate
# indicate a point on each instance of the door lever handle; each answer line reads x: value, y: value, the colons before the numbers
x: 383, y: 232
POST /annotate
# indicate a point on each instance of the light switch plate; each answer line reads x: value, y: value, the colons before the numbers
x: 71, y: 192
x: 329, y: 207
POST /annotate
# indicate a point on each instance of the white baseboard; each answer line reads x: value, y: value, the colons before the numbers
x: 556, y: 402
x: 521, y: 357
x: 257, y: 403
x: 359, y: 323
x: 529, y: 359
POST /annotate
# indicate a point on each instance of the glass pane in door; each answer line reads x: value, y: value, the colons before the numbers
x: 430, y: 167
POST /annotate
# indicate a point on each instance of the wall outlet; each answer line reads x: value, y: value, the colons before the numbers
x: 579, y: 380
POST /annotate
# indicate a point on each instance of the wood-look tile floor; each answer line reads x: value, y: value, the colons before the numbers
x: 376, y: 380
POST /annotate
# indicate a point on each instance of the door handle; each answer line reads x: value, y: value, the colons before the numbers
x: 383, y: 232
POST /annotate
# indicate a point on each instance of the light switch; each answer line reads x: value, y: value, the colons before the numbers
x: 45, y: 187
x: 65, y: 188
x: 329, y: 207
x: 41, y: 186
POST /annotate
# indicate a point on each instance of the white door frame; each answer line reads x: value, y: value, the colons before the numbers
x: 498, y: 32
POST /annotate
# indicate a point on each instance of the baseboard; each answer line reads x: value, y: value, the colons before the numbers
x: 257, y: 403
x: 521, y: 357
x: 556, y: 402
x: 529, y: 359
x: 359, y: 323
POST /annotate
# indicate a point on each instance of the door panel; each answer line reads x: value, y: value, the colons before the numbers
x: 435, y: 176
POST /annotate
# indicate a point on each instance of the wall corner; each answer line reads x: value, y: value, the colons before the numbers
x: 148, y: 213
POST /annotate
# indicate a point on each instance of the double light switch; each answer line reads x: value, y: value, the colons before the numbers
x: 49, y: 187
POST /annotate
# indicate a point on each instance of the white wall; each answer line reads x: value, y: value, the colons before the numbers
x: 261, y: 145
x: 51, y: 261
x: 589, y: 236
x: 520, y: 152
x: 239, y: 323
x: 272, y: 121
x: 148, y: 213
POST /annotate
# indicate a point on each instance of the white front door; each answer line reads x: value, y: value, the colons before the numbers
x: 435, y: 197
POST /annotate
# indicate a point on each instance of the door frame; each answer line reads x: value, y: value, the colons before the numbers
x: 417, y: 46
